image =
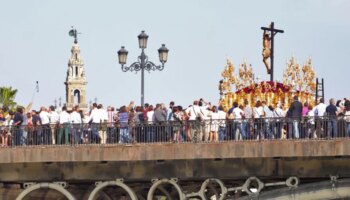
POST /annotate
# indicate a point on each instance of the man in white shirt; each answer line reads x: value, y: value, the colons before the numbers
x: 46, y: 129
x: 205, y: 125
x: 64, y: 126
x: 54, y: 120
x: 320, y: 109
x: 76, y: 120
x: 238, y: 114
x: 194, y: 121
x: 193, y: 111
x: 94, y: 119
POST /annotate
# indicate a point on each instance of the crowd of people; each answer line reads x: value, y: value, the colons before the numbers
x: 199, y: 122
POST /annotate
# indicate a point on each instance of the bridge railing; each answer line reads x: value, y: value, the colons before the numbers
x: 196, y: 131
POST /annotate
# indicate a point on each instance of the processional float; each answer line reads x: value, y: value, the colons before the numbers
x: 299, y: 81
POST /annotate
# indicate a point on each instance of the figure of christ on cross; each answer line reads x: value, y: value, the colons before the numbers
x: 266, y: 50
x: 268, y: 40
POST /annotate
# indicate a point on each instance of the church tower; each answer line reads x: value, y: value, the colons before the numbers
x: 76, y: 80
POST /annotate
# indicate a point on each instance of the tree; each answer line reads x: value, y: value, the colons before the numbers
x: 7, y: 97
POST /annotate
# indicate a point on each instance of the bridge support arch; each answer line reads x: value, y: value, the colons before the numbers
x: 118, y: 183
x: 206, y: 183
x: 172, y: 182
x: 53, y: 186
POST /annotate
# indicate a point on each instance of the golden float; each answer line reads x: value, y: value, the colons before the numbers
x: 296, y: 81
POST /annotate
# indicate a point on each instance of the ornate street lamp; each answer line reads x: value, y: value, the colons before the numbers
x: 143, y: 63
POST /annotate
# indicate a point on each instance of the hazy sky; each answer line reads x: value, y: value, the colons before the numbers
x: 35, y: 46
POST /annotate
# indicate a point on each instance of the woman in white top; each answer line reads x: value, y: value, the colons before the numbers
x: 214, y: 124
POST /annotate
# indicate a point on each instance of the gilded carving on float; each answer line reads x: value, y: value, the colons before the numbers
x: 296, y: 81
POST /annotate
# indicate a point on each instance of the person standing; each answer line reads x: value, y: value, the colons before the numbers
x: 238, y: 119
x: 17, y: 129
x: 76, y: 120
x: 94, y: 119
x: 222, y: 123
x: 278, y: 114
x: 248, y: 119
x: 214, y: 125
x: 103, y: 124
x: 111, y: 122
x: 54, y: 121
x: 45, y: 123
x: 37, y: 130
x: 305, y: 109
x: 319, y: 111
x: 123, y: 117
x: 3, y: 132
x: 347, y: 116
x: 194, y: 119
x: 150, y: 126
x: 332, y: 113
x: 295, y: 113
x: 258, y: 113
x: 64, y: 126
x: 160, y: 119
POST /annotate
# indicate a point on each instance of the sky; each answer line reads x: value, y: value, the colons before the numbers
x: 200, y: 35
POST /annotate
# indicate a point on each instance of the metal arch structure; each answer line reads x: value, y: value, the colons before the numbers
x: 172, y: 182
x: 205, y: 184
x: 118, y: 183
x: 333, y: 189
x: 53, y: 186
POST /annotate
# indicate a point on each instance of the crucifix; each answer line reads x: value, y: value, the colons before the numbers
x: 268, y: 42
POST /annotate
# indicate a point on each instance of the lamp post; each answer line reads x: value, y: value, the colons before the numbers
x: 143, y: 63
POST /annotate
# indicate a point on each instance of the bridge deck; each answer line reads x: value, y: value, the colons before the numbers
x: 175, y: 151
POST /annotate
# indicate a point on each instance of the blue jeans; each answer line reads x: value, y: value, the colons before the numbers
x: 268, y: 129
x: 150, y: 133
x: 76, y: 133
x: 17, y: 136
x: 245, y: 133
x: 124, y: 135
x: 222, y: 131
x: 94, y: 132
x: 332, y: 128
x: 348, y: 129
x: 296, y: 128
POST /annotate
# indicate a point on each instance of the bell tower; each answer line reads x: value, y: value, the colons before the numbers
x: 76, y: 79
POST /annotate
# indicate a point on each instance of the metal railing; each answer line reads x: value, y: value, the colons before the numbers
x: 177, y: 131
